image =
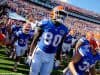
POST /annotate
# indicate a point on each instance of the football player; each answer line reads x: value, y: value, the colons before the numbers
x: 85, y: 58
x: 66, y: 47
x: 14, y: 29
x: 47, y: 37
x: 21, y: 43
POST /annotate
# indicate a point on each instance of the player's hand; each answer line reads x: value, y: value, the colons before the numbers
x: 29, y: 59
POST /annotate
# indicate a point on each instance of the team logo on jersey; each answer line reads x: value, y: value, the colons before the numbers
x: 62, y: 31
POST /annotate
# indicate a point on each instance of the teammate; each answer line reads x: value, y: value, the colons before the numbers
x: 14, y: 28
x: 21, y: 42
x: 84, y: 59
x: 49, y: 35
x: 66, y: 46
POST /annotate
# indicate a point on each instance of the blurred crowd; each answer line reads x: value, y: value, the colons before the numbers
x: 81, y: 27
x: 33, y: 12
x: 28, y: 10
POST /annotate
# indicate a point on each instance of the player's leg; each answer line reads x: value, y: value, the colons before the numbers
x: 64, y: 47
x: 58, y: 57
x: 23, y: 52
x: 12, y: 51
x: 47, y: 67
x: 68, y: 51
x: 36, y: 63
x: 18, y: 57
x: 69, y: 47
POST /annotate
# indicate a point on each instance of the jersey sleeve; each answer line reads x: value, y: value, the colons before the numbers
x: 17, y: 34
x: 82, y: 50
x: 82, y: 39
x: 41, y: 23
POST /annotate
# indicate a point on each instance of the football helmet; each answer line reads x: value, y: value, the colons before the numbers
x: 90, y: 35
x: 58, y: 14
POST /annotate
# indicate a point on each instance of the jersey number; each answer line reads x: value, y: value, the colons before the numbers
x: 48, y: 39
x: 21, y: 41
x: 85, y: 66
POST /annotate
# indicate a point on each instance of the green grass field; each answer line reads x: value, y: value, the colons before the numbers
x: 6, y: 66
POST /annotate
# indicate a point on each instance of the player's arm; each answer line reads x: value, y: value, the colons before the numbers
x: 76, y: 58
x: 58, y: 54
x: 59, y: 51
x: 37, y: 34
x: 92, y: 70
x: 78, y: 44
x: 15, y: 39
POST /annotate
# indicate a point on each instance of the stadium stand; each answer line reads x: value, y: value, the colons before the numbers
x: 79, y: 19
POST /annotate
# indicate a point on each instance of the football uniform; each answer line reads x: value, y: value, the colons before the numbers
x: 15, y: 29
x: 66, y: 47
x: 47, y: 47
x: 21, y: 43
x: 87, y: 60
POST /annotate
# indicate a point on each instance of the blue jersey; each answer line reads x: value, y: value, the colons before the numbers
x: 87, y: 60
x: 22, y: 38
x: 51, y: 36
x: 68, y: 39
x: 15, y: 28
x: 85, y: 43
